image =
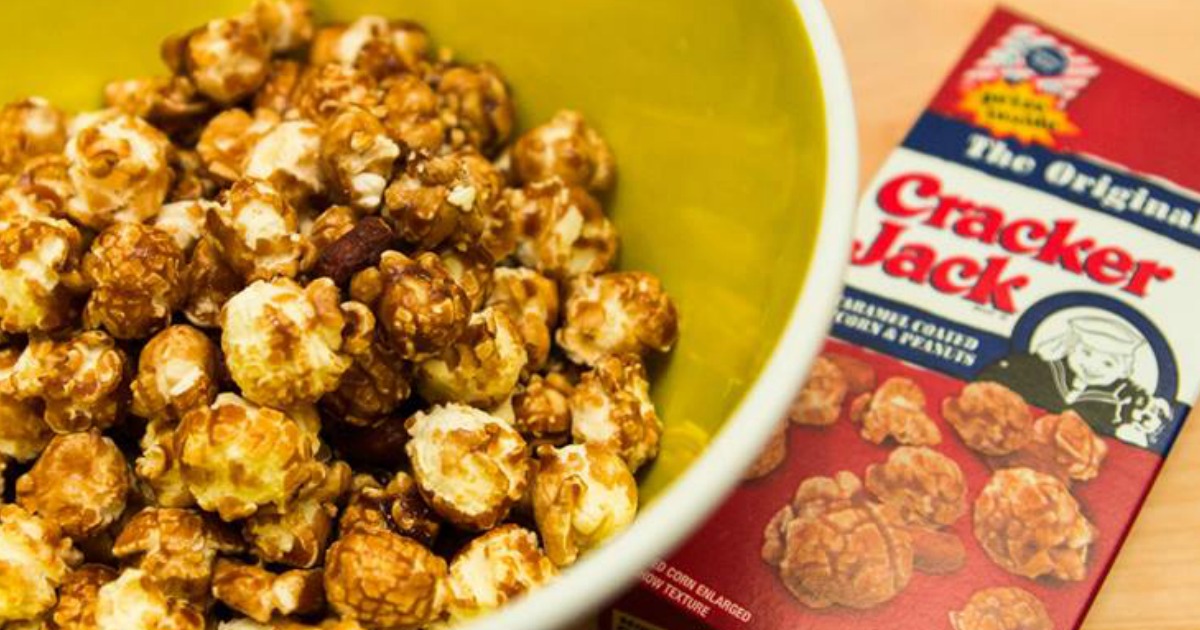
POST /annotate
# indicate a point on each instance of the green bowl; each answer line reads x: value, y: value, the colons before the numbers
x: 733, y: 129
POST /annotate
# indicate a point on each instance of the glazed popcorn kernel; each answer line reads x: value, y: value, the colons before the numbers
x: 29, y: 128
x: 120, y: 168
x: 859, y: 375
x: 171, y: 104
x: 78, y: 595
x: 37, y: 557
x: 286, y: 25
x: 176, y: 549
x: 471, y: 268
x: 494, y: 569
x: 476, y: 107
x: 40, y: 190
x: 80, y: 482
x: 158, y: 469
x: 583, y: 494
x: 289, y: 157
x: 257, y: 231
x: 373, y: 44
x: 136, y: 272
x: 134, y: 601
x: 1065, y: 446
x: 357, y: 156
x: 237, y: 457
x: 260, y: 594
x: 177, y: 371
x: 398, y: 506
x: 277, y: 91
x: 990, y: 418
x: 625, y: 312
x: 283, y: 343
x: 39, y: 274
x: 531, y: 301
x: 192, y: 182
x: 561, y: 230
x: 324, y: 89
x: 1030, y: 525
x: 298, y: 536
x: 375, y: 385
x: 442, y: 197
x: 813, y: 497
x: 78, y: 380
x: 819, y: 402
x: 384, y: 580
x: 480, y: 368
x: 23, y: 433
x: 566, y: 148
x: 410, y: 114
x: 228, y: 139
x: 611, y: 407
x: 542, y: 410
x: 419, y: 305
x: 1002, y: 608
x: 925, y: 487
x: 470, y: 466
x: 226, y: 59
x: 211, y: 282
x: 184, y: 222
x: 896, y: 410
x: 771, y: 457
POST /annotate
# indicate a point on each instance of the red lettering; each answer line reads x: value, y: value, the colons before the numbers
x: 1059, y: 250
x: 980, y: 223
x: 992, y: 289
x: 1143, y: 273
x: 892, y: 195
x: 912, y: 262
x: 1108, y: 265
x: 958, y: 268
x: 946, y: 206
x: 1011, y: 237
x: 879, y: 248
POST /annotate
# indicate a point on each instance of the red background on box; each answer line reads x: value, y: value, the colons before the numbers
x: 724, y: 554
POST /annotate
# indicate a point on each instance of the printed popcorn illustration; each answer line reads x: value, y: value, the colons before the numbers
x: 1011, y: 360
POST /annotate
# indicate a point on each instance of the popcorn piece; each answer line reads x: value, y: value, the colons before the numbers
x: 420, y: 307
x: 192, y: 182
x: 374, y: 45
x: 561, y: 230
x: 77, y: 379
x: 397, y: 506
x: 177, y: 372
x: 495, y: 568
x: 616, y: 313
x: 230, y: 137
x: 611, y: 408
x: 171, y: 104
x: 237, y: 458
x: 1030, y: 525
x: 37, y: 557
x: 324, y: 89
x: 859, y: 375
x: 375, y: 385
x: 771, y: 457
x: 471, y: 467
x: 411, y: 114
x: 1002, y: 608
x: 565, y: 148
x: 134, y: 602
x: 136, y: 272
x: 80, y: 483
x: 211, y: 282
x: 29, y: 128
x: 471, y: 267
x: 896, y: 410
x: 480, y: 368
x: 278, y: 90
x: 227, y: 59
x: 40, y: 190
x: 184, y: 221
x: 357, y: 155
x: 583, y: 494
x: 158, y: 467
x: 476, y: 107
x: 819, y: 402
x: 443, y: 197
x: 257, y: 231
x: 328, y: 228
x: 298, y: 537
x: 542, y: 410
x: 990, y: 418
x: 925, y: 487
x: 384, y: 580
x: 176, y: 550
x: 78, y: 597
x: 286, y: 25
x: 1064, y: 446
x: 39, y: 274
x: 23, y: 433
x: 259, y: 593
x: 833, y: 548
x: 289, y: 158
x: 119, y: 166
x: 531, y: 301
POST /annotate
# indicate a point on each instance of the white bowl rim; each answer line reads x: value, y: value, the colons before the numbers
x: 666, y: 523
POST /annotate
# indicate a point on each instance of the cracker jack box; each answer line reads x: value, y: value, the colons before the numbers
x: 1015, y: 350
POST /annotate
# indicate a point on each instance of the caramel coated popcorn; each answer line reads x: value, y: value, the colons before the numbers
x: 136, y: 272
x: 531, y: 301
x: 924, y: 487
x: 288, y: 156
x: 325, y: 88
x: 211, y: 281
x: 990, y: 418
x: 226, y: 59
x: 418, y: 305
x: 119, y: 167
x: 40, y: 279
x: 772, y: 455
x: 158, y: 466
x: 374, y: 44
x: 286, y: 25
x: 135, y: 602
x: 495, y: 568
x: 29, y: 128
x: 229, y: 137
x: 358, y: 155
x: 616, y: 313
x: 471, y: 267
x: 469, y: 465
x: 80, y: 482
x: 480, y: 368
x: 298, y: 536
x: 78, y: 380
x: 476, y: 106
x: 398, y: 506
x: 184, y: 221
x: 542, y: 409
x: 24, y: 433
x: 260, y: 594
x: 78, y: 596
x: 583, y: 494
x: 1030, y: 525
x: 411, y: 114
x: 443, y: 198
x: 37, y: 558
x: 257, y: 231
x: 561, y: 230
x: 1065, y: 446
x: 1002, y: 608
x: 177, y: 372
x: 566, y: 148
x: 896, y: 410
x: 819, y: 402
x: 171, y: 104
x: 385, y: 580
x: 176, y: 549
x: 611, y: 408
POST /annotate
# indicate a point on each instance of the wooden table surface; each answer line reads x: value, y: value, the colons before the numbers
x: 898, y: 52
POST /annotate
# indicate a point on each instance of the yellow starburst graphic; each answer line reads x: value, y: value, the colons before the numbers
x: 1017, y: 110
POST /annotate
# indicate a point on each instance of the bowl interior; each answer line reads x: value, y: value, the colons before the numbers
x: 713, y: 108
